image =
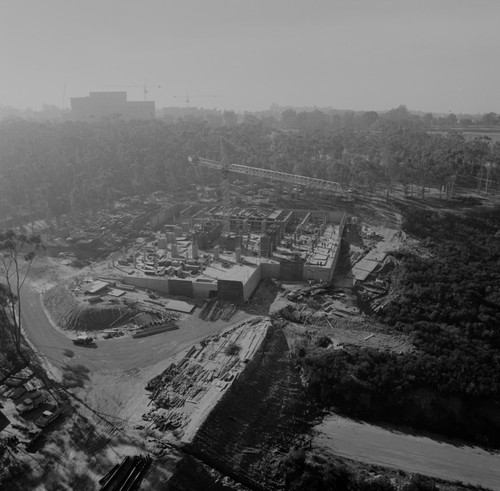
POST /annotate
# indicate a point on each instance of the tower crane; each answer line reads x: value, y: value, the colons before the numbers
x: 293, y: 179
x: 145, y: 87
x: 224, y: 167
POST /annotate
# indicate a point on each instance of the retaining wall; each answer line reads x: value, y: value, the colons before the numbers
x: 252, y: 283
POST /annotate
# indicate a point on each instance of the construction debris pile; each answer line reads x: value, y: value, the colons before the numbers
x: 185, y: 392
x: 375, y: 269
x: 317, y: 304
x: 217, y: 309
x: 110, y: 229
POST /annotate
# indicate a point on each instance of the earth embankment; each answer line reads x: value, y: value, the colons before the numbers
x: 71, y: 313
x: 255, y: 423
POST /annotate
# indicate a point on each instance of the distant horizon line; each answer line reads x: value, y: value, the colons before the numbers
x: 276, y: 106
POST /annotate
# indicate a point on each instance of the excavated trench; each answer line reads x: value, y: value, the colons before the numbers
x: 255, y: 424
x: 70, y: 313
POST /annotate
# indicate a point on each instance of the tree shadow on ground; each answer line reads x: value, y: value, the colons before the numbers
x: 69, y: 353
x: 75, y: 376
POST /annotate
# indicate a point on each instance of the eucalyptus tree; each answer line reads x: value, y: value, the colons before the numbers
x: 17, y: 255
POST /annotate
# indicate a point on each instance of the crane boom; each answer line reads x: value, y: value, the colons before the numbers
x: 294, y: 179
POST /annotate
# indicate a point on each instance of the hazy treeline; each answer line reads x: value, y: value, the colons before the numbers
x: 47, y: 169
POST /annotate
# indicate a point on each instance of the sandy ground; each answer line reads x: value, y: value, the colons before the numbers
x: 344, y: 333
x: 107, y: 383
x: 115, y: 385
x: 364, y: 442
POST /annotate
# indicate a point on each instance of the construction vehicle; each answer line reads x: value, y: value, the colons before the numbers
x: 49, y: 415
x: 83, y: 341
x: 151, y: 295
x: 32, y: 402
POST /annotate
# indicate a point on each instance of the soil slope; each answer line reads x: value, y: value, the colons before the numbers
x: 255, y: 423
x: 70, y: 313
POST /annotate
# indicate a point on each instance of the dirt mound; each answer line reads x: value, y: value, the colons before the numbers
x: 71, y: 313
x: 258, y: 419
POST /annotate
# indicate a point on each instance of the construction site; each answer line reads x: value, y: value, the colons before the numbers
x: 194, y: 306
x: 164, y: 259
x: 290, y: 245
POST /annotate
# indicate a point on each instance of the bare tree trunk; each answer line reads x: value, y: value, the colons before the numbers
x: 487, y: 181
x: 480, y: 179
x: 450, y: 188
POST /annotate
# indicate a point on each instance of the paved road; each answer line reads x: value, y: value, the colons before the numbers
x: 376, y: 445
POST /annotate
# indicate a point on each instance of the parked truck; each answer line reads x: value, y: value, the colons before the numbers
x: 32, y: 402
x: 83, y: 341
x: 52, y: 413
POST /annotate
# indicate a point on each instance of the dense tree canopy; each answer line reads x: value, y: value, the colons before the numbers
x: 449, y: 305
x: 47, y: 169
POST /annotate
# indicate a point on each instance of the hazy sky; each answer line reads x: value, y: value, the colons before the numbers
x: 430, y: 55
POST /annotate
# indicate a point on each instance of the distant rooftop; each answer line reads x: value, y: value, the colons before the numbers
x: 100, y: 105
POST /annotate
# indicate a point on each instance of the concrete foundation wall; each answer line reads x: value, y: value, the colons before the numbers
x: 291, y: 270
x: 342, y: 225
x: 252, y: 283
x: 157, y: 284
x: 186, y: 288
x: 182, y: 288
x: 270, y: 270
x: 229, y: 290
x: 318, y: 274
x: 202, y: 289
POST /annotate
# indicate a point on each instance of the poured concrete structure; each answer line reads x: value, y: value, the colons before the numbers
x: 304, y: 245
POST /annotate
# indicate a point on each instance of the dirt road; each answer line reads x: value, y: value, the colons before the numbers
x: 112, y: 376
x: 376, y: 445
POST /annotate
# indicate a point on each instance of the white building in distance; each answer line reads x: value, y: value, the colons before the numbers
x: 103, y: 105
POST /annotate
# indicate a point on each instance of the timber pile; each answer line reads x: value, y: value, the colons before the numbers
x: 152, y: 330
x: 185, y: 390
x: 126, y: 476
